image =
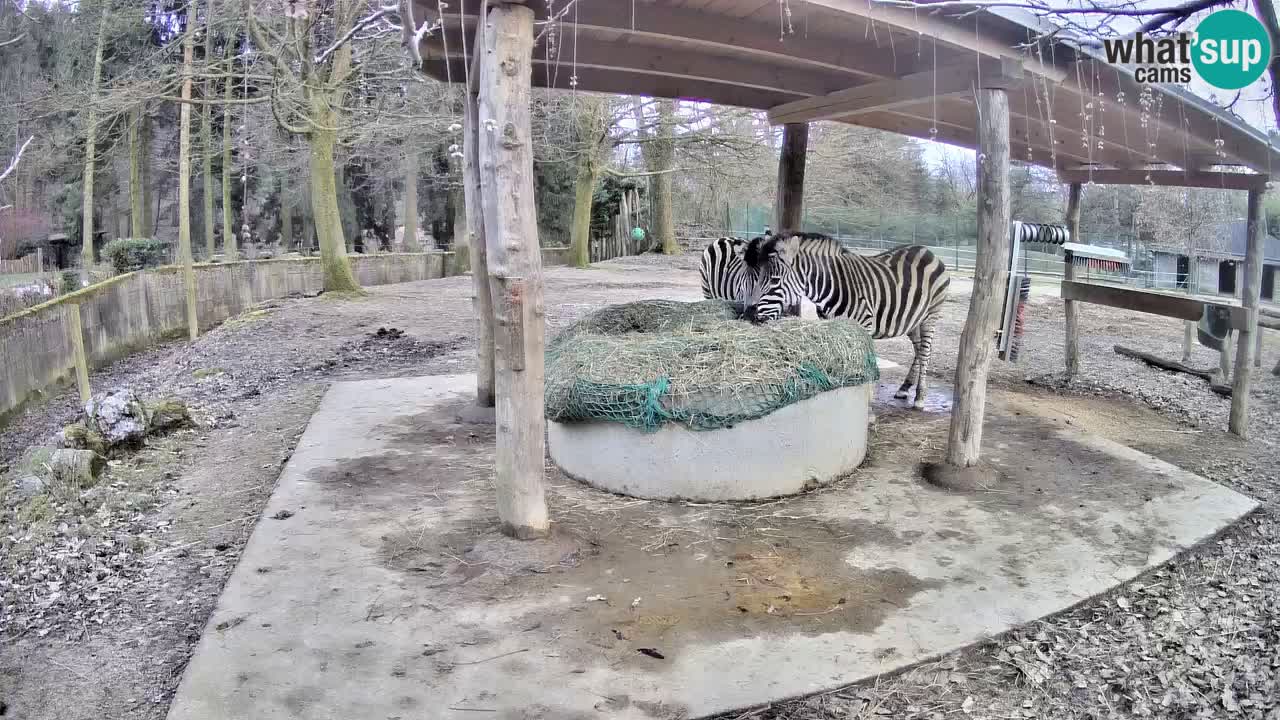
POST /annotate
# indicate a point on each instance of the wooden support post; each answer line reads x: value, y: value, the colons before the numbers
x: 964, y: 439
x: 481, y: 299
x: 1189, y: 327
x: 1257, y: 349
x: 1249, y: 298
x: 1224, y: 360
x: 1068, y: 273
x: 789, y: 203
x: 515, y: 266
x: 76, y: 330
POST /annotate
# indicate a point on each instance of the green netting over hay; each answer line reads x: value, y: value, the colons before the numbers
x: 657, y: 361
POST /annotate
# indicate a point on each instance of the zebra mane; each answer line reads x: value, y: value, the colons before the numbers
x: 761, y: 249
x: 789, y: 244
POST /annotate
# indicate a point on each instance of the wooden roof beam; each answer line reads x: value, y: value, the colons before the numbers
x: 922, y: 22
x: 678, y: 63
x: 1026, y: 121
x: 963, y: 135
x: 896, y: 92
x: 1167, y: 178
x: 695, y: 30
x: 622, y: 82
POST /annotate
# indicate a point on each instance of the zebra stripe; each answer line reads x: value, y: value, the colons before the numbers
x: 724, y: 276
x: 897, y: 292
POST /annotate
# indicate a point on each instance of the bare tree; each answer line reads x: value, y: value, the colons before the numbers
x: 91, y: 147
x: 308, y: 94
x: 592, y: 130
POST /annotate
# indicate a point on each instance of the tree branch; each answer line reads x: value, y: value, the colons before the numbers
x: 1267, y: 12
x: 11, y: 41
x: 1180, y: 13
x: 13, y: 164
x: 372, y: 18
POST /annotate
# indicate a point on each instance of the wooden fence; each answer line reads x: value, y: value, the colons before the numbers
x: 619, y: 243
x: 32, y: 263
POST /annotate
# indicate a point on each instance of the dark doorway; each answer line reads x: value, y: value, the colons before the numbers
x: 1268, y: 282
x: 1184, y: 270
x: 1227, y: 277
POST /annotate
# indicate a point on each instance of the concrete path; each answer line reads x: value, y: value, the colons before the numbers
x: 376, y: 585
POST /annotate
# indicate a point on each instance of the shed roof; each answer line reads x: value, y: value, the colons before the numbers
x: 1237, y: 234
x: 906, y: 71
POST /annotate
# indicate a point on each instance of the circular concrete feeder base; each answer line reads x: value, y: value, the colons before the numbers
x: 802, y: 446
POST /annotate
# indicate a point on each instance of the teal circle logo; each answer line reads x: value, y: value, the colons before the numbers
x: 1232, y: 49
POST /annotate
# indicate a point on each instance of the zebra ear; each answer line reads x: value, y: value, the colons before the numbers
x: 787, y: 250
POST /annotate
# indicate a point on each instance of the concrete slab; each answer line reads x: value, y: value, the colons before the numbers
x: 389, y: 593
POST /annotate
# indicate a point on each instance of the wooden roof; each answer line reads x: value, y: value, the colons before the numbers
x: 865, y: 63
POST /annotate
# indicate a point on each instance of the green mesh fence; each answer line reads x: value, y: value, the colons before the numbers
x: 658, y: 361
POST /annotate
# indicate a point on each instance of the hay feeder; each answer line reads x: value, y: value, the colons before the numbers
x: 669, y: 400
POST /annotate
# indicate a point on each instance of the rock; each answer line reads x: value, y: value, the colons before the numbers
x: 43, y: 468
x: 29, y: 485
x: 166, y: 415
x: 120, y: 417
x: 79, y: 437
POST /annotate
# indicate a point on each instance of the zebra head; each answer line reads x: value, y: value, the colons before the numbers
x: 771, y: 287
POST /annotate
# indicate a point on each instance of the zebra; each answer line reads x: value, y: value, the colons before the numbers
x: 726, y: 276
x: 894, y: 293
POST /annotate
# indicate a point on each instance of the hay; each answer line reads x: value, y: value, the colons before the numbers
x: 647, y: 363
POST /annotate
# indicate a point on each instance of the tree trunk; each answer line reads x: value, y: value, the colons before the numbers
x: 149, y: 205
x: 663, y: 228
x: 515, y: 268
x: 206, y: 140
x: 964, y: 440
x: 347, y: 223
x: 584, y: 186
x: 476, y: 244
x: 1072, y: 322
x: 307, y: 243
x: 789, y: 211
x: 411, y: 197
x: 137, y: 192
x: 91, y: 150
x: 1249, y: 298
x: 184, y: 183
x: 229, y: 246
x: 338, y: 277
x: 286, y: 222
x: 591, y: 130
x: 1189, y: 327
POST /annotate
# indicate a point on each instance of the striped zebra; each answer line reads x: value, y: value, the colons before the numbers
x: 897, y: 292
x: 726, y: 276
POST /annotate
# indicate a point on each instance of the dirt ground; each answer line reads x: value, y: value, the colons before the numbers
x: 103, y: 596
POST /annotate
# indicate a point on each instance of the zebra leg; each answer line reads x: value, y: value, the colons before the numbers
x: 923, y: 352
x: 913, y: 372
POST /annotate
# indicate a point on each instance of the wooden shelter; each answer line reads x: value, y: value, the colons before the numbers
x: 994, y: 80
